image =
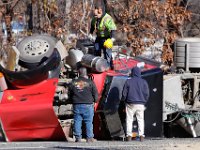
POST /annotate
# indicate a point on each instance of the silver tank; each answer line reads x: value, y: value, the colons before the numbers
x: 96, y: 63
x: 74, y: 57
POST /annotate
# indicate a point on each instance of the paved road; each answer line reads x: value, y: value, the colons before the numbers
x: 148, y: 144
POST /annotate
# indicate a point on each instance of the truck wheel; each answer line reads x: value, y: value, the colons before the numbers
x: 32, y: 49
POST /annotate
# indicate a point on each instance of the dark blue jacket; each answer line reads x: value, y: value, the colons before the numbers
x: 136, y: 89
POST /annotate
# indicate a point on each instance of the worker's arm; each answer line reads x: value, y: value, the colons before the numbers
x: 92, y: 26
x: 112, y: 35
x: 110, y: 24
x: 94, y: 92
x: 91, y: 29
x: 124, y: 91
x: 70, y: 92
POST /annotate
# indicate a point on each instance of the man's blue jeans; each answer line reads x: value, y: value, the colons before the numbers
x: 83, y: 112
x: 106, y: 52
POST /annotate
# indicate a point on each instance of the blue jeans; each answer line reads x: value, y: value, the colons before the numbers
x: 83, y: 112
x: 106, y: 52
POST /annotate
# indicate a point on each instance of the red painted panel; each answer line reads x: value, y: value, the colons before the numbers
x: 27, y: 114
x: 99, y: 80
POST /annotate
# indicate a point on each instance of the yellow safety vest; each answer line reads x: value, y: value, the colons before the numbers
x: 105, y: 26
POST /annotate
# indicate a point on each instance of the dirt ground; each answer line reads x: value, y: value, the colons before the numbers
x: 147, y: 144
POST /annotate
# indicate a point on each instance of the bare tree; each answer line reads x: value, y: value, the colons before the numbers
x: 141, y: 22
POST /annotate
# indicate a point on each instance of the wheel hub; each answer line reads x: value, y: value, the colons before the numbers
x: 36, y: 47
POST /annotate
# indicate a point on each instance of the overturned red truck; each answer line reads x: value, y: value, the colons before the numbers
x: 30, y: 105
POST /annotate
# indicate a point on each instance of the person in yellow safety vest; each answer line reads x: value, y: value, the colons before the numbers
x: 104, y: 26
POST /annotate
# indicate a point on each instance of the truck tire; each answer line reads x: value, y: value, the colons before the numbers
x: 33, y: 48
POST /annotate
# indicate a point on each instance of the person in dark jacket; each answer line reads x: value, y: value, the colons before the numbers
x: 136, y: 94
x: 83, y: 94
